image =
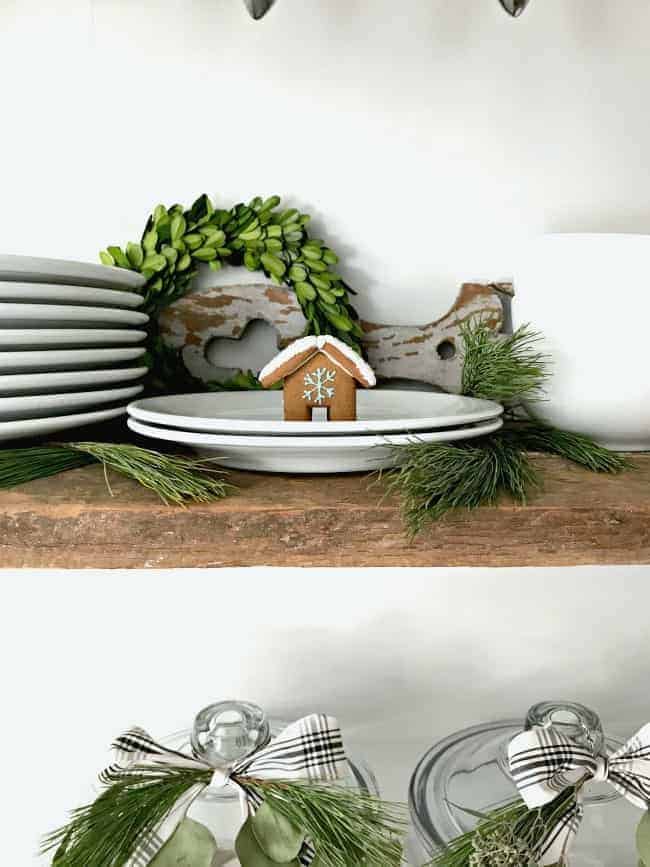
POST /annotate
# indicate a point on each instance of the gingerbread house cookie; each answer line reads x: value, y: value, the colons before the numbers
x: 319, y: 372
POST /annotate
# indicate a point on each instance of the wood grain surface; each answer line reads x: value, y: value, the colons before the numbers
x: 72, y: 521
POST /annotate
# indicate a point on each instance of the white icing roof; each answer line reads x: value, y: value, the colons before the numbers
x: 319, y: 344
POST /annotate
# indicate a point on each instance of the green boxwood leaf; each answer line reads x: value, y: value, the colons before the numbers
x: 106, y: 259
x: 205, y: 254
x: 120, y: 259
x: 135, y: 254
x: 250, y: 853
x: 191, y: 845
x: 643, y: 838
x: 273, y: 265
x: 279, y: 839
x: 178, y: 227
x: 154, y: 262
x: 150, y: 240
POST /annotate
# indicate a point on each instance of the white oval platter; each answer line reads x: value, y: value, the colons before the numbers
x: 17, y: 338
x: 36, y: 427
x: 62, y: 294
x: 260, y: 412
x: 31, y: 315
x: 47, y: 360
x: 39, y: 405
x: 48, y: 383
x: 33, y: 269
x: 275, y: 454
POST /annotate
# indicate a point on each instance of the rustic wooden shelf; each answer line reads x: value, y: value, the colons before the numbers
x: 72, y: 521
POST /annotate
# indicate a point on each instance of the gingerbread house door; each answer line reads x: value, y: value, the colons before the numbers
x: 320, y: 383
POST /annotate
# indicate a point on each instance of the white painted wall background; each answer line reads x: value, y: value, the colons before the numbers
x: 427, y: 137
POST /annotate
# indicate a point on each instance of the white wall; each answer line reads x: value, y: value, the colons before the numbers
x: 427, y: 136
x: 401, y: 657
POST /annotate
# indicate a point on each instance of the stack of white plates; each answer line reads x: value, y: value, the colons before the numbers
x: 246, y: 430
x: 71, y: 344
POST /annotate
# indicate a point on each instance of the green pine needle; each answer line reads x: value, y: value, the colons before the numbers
x: 436, y: 478
x: 528, y: 827
x: 347, y: 828
x: 19, y: 466
x: 107, y: 832
x: 504, y: 368
x: 536, y: 436
x: 175, y: 479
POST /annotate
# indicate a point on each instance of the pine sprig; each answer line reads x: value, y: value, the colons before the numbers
x: 515, y: 821
x: 504, y: 368
x: 108, y: 831
x: 436, y: 478
x: 175, y: 479
x: 19, y: 466
x: 347, y: 828
x: 535, y: 436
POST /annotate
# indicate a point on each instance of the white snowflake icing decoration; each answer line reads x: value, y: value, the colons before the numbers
x: 317, y: 388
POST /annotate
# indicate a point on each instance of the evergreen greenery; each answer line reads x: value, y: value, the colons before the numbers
x: 509, y: 832
x: 108, y: 831
x: 175, y: 479
x: 347, y: 828
x: 436, y: 478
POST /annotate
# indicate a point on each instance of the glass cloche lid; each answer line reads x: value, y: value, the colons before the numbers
x: 222, y: 734
x: 468, y: 773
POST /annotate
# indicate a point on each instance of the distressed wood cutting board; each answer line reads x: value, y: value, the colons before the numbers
x: 429, y: 353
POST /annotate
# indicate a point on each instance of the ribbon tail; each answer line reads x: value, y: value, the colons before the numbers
x: 554, y: 847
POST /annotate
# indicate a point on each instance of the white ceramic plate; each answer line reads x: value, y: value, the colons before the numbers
x: 46, y: 383
x: 276, y: 454
x: 40, y: 405
x: 52, y: 293
x: 36, y: 427
x: 46, y: 315
x: 260, y: 412
x: 47, y: 360
x: 32, y: 269
x: 18, y: 338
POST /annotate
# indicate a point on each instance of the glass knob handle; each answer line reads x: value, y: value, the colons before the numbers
x: 225, y: 732
x: 577, y: 722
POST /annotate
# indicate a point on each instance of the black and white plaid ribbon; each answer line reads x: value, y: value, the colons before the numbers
x: 544, y: 763
x: 309, y: 749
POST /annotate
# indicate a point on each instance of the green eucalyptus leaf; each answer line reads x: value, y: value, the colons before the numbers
x: 191, y: 845
x: 643, y: 838
x: 279, y: 839
x: 249, y: 851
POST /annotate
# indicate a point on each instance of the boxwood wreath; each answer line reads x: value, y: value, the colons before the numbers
x: 259, y: 236
x: 431, y: 479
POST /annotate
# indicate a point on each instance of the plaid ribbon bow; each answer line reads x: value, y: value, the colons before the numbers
x: 310, y: 749
x: 544, y: 763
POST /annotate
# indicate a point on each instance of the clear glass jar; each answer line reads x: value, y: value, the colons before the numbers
x: 222, y: 734
x: 469, y: 769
